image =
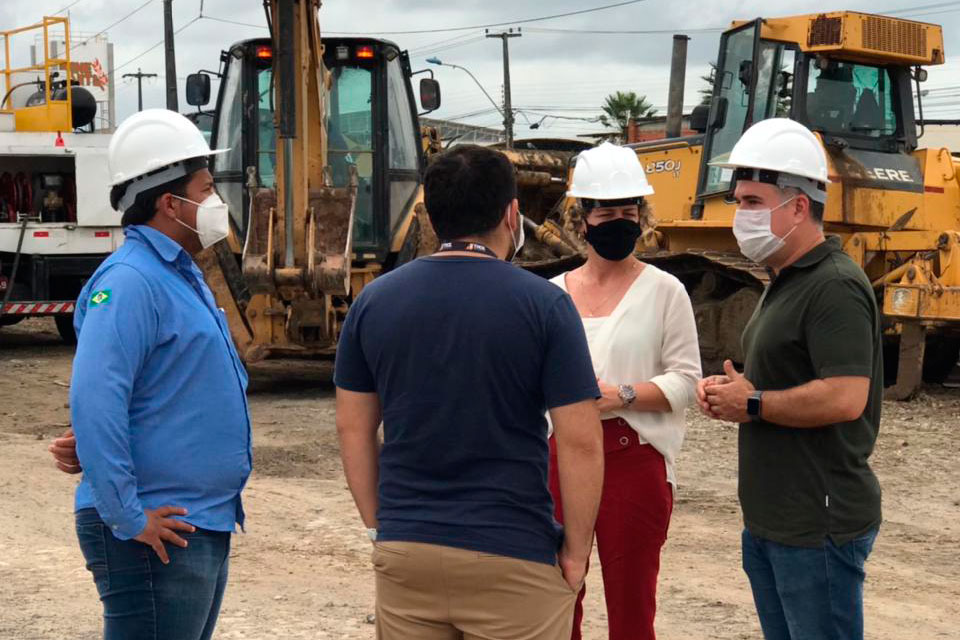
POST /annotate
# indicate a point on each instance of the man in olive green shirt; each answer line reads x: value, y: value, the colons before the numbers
x: 809, y: 400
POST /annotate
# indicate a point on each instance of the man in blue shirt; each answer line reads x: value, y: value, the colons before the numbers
x: 461, y: 354
x: 158, y: 396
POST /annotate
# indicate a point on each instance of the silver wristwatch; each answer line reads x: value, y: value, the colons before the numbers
x: 627, y: 394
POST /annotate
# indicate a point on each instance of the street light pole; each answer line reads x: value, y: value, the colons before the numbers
x: 507, y: 106
x: 437, y: 61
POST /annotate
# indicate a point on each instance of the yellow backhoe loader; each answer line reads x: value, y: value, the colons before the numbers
x: 323, y: 178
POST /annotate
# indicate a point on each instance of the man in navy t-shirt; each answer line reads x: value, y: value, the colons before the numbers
x: 460, y: 355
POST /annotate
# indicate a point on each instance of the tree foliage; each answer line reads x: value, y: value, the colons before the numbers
x: 621, y: 107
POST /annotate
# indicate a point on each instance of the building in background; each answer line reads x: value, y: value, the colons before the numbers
x: 453, y: 133
x: 654, y: 129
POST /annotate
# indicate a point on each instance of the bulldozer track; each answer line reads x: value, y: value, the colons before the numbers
x: 731, y: 265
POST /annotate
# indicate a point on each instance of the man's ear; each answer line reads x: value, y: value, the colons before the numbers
x: 167, y: 206
x: 804, y: 210
x: 515, y: 210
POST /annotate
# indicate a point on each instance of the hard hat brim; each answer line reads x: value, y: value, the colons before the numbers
x: 215, y: 152
x: 722, y: 161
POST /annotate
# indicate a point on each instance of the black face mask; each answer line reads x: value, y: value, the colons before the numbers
x: 614, y: 240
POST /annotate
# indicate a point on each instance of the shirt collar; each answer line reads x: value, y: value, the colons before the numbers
x: 818, y: 253
x: 166, y: 248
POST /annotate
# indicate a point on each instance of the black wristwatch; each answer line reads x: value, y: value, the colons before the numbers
x: 755, y: 405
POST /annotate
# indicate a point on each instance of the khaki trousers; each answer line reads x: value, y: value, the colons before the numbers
x: 433, y: 592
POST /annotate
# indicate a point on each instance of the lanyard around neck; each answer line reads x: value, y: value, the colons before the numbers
x: 467, y: 247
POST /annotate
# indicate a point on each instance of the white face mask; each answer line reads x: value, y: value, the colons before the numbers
x: 518, y: 237
x: 754, y: 236
x: 213, y: 220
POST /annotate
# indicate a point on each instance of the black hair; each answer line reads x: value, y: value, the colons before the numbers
x: 589, y: 204
x: 466, y: 191
x: 816, y: 210
x: 144, y: 206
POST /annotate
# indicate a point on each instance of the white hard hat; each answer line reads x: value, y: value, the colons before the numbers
x: 781, y: 145
x: 609, y: 172
x: 150, y: 147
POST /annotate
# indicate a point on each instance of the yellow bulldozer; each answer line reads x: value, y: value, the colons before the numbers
x: 853, y: 78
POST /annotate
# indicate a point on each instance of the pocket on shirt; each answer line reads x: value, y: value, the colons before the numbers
x: 93, y: 545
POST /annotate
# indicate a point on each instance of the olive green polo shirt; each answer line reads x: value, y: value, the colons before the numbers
x: 817, y: 319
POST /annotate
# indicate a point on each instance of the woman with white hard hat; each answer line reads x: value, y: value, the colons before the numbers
x: 642, y: 334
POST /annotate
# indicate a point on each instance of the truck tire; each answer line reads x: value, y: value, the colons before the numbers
x: 65, y: 328
x: 941, y: 357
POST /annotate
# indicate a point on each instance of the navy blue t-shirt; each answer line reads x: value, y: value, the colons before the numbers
x: 466, y: 355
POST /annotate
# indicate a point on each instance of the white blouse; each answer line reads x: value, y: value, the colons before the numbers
x: 651, y: 336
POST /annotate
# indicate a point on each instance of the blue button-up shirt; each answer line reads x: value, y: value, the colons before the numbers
x: 158, y: 396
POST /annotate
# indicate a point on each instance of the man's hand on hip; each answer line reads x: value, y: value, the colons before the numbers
x: 729, y: 401
x: 160, y: 527
x: 64, y: 452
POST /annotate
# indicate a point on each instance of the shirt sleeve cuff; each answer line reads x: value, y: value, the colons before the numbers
x: 587, y: 393
x: 127, y: 528
x: 857, y: 370
x: 356, y: 387
x: 677, y: 389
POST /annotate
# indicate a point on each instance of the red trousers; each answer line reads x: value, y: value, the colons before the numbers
x: 631, y: 529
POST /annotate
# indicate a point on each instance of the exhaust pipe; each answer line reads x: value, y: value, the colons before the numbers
x: 678, y: 76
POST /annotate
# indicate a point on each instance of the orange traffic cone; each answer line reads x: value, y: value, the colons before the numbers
x: 59, y: 142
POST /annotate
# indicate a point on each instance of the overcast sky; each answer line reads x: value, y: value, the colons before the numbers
x: 564, y: 74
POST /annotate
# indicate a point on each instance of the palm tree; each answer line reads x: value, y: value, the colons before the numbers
x: 620, y: 108
x: 706, y: 92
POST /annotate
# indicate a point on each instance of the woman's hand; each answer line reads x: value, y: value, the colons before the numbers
x: 610, y: 397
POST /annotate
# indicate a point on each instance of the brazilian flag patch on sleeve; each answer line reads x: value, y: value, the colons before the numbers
x: 101, y: 298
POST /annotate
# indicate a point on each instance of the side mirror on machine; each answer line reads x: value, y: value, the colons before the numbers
x: 198, y: 89
x: 718, y: 113
x: 699, y: 118
x: 429, y: 94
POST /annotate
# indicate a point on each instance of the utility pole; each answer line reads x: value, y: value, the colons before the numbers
x: 507, y: 106
x: 139, y: 75
x: 171, y: 72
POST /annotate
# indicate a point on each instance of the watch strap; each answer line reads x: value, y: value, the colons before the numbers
x: 755, y: 404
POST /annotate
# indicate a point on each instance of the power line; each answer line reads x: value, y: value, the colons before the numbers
x: 626, y: 32
x: 242, y: 24
x: 439, y: 43
x: 931, y: 13
x: 67, y: 7
x: 921, y: 8
x: 145, y: 52
x: 105, y: 29
x: 449, y: 47
x: 492, y: 25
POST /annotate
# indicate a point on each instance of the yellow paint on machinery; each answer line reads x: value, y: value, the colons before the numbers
x: 895, y: 204
x: 51, y: 114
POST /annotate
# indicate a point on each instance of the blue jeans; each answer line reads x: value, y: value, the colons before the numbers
x: 144, y: 599
x: 808, y: 593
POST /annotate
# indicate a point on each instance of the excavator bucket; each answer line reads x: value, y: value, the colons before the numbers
x: 330, y: 238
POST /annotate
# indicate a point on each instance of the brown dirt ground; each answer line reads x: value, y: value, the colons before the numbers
x: 302, y: 570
